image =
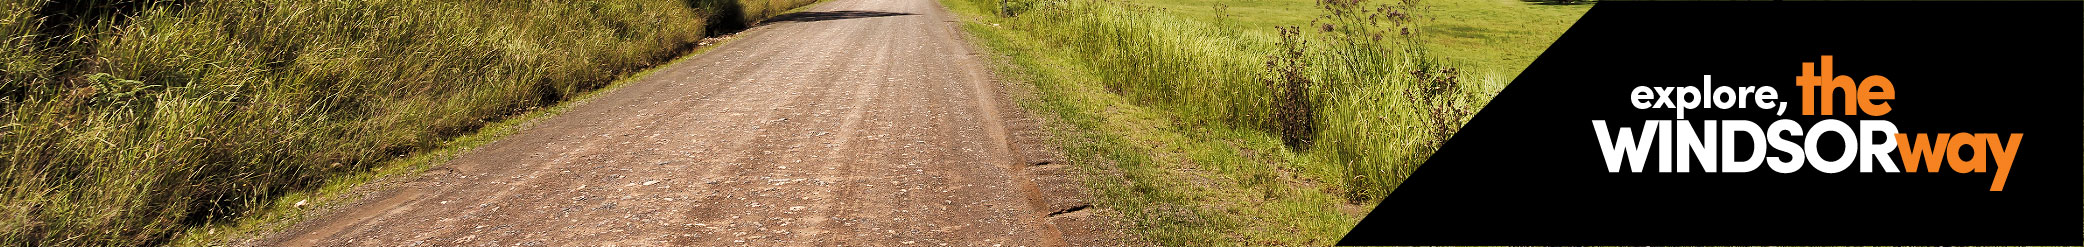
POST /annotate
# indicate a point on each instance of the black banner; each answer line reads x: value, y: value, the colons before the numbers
x: 1532, y: 168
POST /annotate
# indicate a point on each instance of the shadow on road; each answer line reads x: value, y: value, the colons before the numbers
x: 827, y: 16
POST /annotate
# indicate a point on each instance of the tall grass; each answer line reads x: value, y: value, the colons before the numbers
x: 122, y: 127
x: 1266, y: 122
x: 1357, y: 91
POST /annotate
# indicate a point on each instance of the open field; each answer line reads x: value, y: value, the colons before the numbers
x: 126, y: 122
x: 1185, y: 112
x: 1492, y: 36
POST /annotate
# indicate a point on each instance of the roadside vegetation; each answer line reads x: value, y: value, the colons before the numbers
x: 1262, y: 122
x: 128, y: 122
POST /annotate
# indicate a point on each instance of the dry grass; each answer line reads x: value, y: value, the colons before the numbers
x: 124, y: 121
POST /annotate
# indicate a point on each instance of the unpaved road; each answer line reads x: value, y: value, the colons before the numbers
x: 858, y: 122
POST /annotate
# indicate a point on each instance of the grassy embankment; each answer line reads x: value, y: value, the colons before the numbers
x: 127, y: 122
x: 1202, y: 123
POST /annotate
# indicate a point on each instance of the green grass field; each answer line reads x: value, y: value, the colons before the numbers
x: 130, y: 122
x: 1499, y: 36
x: 1173, y: 105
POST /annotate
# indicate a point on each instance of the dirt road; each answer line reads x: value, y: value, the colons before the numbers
x: 858, y: 122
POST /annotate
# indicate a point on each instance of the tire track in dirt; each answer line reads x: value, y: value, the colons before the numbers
x: 857, y: 122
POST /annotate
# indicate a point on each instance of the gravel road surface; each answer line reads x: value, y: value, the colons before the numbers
x: 857, y: 122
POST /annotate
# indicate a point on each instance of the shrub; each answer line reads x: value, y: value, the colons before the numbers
x: 1294, y: 103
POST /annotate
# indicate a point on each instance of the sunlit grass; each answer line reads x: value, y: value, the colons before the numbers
x: 127, y: 127
x: 1170, y: 109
